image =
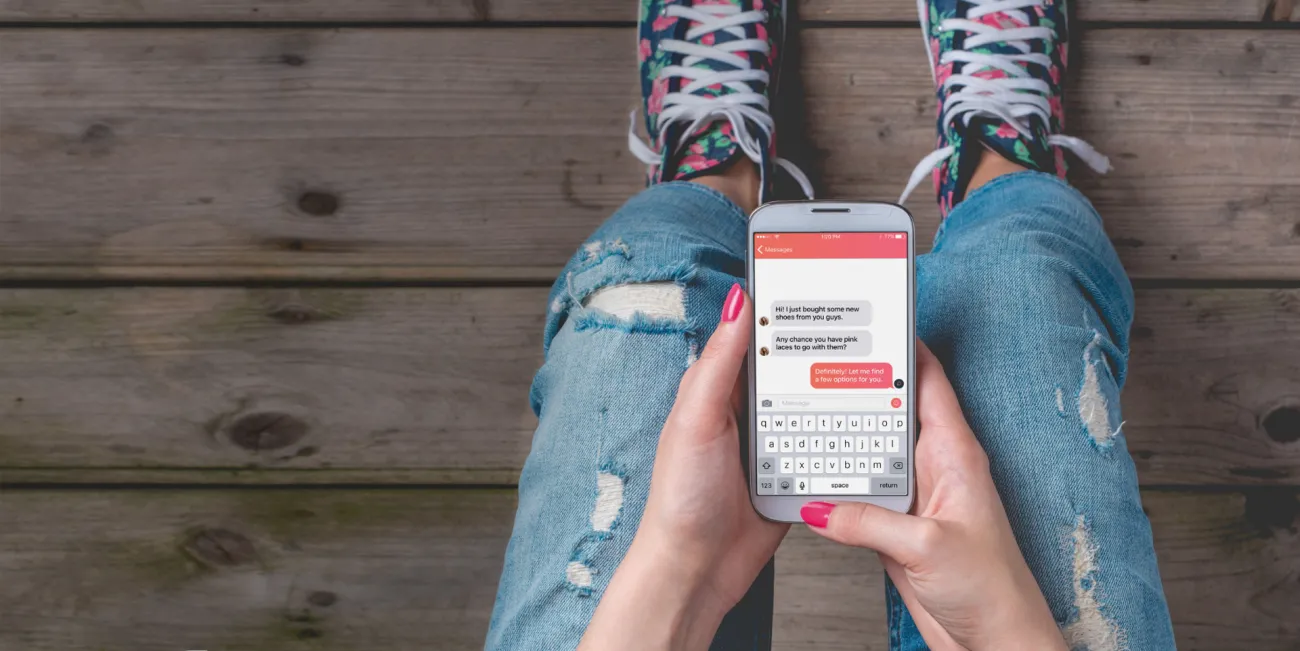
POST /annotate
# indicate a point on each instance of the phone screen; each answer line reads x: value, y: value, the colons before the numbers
x: 831, y: 368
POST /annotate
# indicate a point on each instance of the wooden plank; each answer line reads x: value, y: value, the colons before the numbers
x: 185, y: 385
x: 410, y: 154
x: 554, y: 10
x: 1104, y: 11
x: 242, y: 570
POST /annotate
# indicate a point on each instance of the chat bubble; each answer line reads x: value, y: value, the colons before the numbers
x: 819, y: 313
x: 823, y: 343
x: 869, y: 375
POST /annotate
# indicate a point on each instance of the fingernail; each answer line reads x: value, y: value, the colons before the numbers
x: 735, y: 301
x: 816, y: 513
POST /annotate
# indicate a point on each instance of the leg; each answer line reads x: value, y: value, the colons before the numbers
x: 1025, y: 301
x: 625, y: 319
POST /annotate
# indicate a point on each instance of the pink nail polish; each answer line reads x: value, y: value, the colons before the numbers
x: 818, y: 514
x: 735, y: 301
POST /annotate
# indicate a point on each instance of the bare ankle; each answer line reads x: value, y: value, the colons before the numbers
x: 991, y: 166
x: 739, y: 182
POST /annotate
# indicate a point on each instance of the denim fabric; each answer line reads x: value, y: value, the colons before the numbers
x: 1022, y: 298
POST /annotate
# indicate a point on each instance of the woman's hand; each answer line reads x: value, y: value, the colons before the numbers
x: 700, y: 543
x: 955, y: 562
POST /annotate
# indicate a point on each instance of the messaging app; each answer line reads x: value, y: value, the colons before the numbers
x: 831, y: 324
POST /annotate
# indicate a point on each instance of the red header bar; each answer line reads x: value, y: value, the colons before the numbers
x: 780, y: 246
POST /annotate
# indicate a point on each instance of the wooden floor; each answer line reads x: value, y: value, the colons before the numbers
x: 272, y: 276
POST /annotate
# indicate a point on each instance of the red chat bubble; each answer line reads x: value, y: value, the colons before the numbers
x: 871, y: 375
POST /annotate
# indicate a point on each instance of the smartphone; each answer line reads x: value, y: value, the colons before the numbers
x: 832, y: 366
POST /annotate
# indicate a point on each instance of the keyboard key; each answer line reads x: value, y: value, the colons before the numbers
x: 864, y: 444
x: 888, y: 486
x: 769, y: 444
x: 846, y: 465
x: 778, y: 423
x: 815, y: 444
x: 898, y: 465
x: 886, y: 424
x: 785, y: 486
x: 864, y: 465
x: 877, y: 466
x: 855, y: 423
x: 764, y: 423
x: 846, y: 444
x: 832, y: 444
x: 801, y: 486
x: 801, y: 444
x: 787, y: 465
x: 766, y: 465
x: 900, y: 423
x: 801, y: 465
x: 832, y: 465
x: 868, y: 423
x: 838, y: 423
x: 793, y: 424
x: 766, y: 486
x: 823, y: 423
x: 787, y: 444
x: 815, y: 465
x: 877, y: 444
x: 810, y: 423
x: 841, y: 485
x: 891, y: 444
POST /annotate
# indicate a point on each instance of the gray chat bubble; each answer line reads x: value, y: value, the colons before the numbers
x: 822, y: 343
x: 821, y: 313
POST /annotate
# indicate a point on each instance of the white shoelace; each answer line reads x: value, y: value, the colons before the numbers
x: 741, y: 107
x: 1016, y: 96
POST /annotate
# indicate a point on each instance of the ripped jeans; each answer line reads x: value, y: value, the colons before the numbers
x: 1023, y: 299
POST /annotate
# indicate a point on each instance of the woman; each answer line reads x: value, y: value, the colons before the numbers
x: 1028, y: 530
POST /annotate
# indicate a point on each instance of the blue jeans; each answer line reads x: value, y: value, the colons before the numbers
x: 1023, y: 299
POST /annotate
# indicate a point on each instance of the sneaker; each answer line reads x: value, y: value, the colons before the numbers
x: 708, y: 68
x: 998, y: 66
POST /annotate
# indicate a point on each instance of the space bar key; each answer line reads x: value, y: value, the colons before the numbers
x: 841, y: 486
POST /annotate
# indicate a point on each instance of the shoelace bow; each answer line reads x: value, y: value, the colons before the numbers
x: 1011, y: 98
x: 739, y: 105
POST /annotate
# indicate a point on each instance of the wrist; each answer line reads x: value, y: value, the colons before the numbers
x: 1026, y: 628
x: 656, y: 601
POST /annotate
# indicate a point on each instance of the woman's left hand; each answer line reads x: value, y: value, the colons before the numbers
x: 700, y: 543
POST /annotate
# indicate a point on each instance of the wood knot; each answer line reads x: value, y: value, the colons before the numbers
x: 293, y: 314
x: 219, y: 548
x: 267, y: 431
x: 319, y: 204
x: 322, y: 598
x: 1271, y: 509
x: 293, y: 60
x: 1283, y: 424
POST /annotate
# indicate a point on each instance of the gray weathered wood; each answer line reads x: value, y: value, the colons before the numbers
x: 386, y: 154
x: 554, y: 10
x: 430, y: 385
x: 299, y: 570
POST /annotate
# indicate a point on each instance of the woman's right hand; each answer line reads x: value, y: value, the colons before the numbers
x: 956, y: 561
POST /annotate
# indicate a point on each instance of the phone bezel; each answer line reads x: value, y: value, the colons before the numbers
x: 801, y: 217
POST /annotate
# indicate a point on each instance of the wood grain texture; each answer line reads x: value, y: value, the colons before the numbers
x: 416, y: 154
x: 430, y: 385
x: 300, y: 570
x: 554, y: 10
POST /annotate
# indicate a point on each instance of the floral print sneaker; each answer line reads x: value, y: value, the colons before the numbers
x: 708, y: 69
x: 998, y: 66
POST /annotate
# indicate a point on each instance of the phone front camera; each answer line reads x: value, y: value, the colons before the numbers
x: 898, y: 384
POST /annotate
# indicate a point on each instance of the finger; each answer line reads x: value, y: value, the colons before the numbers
x: 937, y: 404
x: 943, y: 426
x: 906, y: 538
x: 712, y: 378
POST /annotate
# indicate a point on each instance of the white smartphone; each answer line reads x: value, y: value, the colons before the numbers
x: 832, y: 365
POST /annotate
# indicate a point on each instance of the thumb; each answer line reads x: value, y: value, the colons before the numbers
x: 905, y: 538
x: 712, y: 377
